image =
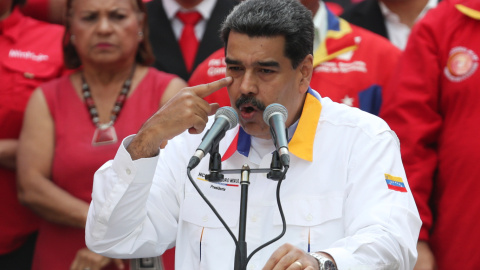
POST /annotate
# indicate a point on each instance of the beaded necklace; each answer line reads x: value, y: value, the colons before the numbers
x: 105, y: 133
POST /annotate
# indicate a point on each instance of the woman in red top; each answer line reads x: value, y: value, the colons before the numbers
x: 75, y: 124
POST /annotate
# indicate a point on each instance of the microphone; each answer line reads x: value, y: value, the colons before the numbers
x: 225, y: 118
x: 275, y: 116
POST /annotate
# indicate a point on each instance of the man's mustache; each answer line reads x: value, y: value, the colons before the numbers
x: 250, y: 100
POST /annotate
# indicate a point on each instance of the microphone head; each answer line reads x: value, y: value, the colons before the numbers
x: 274, y: 109
x: 229, y: 114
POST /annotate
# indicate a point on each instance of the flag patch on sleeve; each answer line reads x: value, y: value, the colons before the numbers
x: 395, y: 183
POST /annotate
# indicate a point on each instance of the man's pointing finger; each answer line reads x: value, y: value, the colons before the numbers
x: 204, y: 90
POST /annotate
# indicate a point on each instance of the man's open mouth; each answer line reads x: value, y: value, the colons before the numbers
x: 247, y: 111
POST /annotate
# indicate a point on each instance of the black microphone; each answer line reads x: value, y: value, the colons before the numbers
x: 275, y: 116
x: 225, y: 119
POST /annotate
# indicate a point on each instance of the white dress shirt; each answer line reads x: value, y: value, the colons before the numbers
x: 321, y: 25
x: 398, y: 32
x: 205, y: 8
x: 335, y: 197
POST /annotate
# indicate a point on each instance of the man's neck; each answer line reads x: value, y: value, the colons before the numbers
x: 188, y: 4
x: 407, y: 10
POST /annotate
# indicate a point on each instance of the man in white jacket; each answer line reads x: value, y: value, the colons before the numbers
x: 346, y: 200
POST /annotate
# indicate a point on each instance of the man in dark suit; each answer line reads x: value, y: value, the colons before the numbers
x: 389, y: 18
x: 165, y: 32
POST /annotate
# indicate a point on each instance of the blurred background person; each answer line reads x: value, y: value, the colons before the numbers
x: 434, y: 111
x: 392, y: 19
x: 75, y: 123
x: 351, y: 65
x: 185, y: 32
x: 30, y: 53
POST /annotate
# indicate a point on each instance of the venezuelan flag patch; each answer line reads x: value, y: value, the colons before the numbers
x: 395, y: 183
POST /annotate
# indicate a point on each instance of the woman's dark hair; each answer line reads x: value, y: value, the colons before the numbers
x: 144, y: 54
x: 269, y: 18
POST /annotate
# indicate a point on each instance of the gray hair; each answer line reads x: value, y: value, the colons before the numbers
x: 269, y: 18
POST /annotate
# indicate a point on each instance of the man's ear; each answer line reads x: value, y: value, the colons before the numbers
x: 306, y: 71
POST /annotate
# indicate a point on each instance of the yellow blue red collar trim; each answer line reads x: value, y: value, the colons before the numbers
x: 301, y: 144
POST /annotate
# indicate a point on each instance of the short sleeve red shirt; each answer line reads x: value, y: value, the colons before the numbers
x: 30, y: 54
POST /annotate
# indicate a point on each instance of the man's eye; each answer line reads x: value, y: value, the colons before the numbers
x: 234, y: 68
x: 266, y: 71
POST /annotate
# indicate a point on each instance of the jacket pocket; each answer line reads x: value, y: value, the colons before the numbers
x: 313, y: 223
x: 30, y: 74
x: 196, y: 211
x: 207, y: 237
x: 311, y: 211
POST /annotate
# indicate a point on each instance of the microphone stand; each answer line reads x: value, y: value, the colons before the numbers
x: 215, y: 167
x: 241, y: 251
x: 216, y: 175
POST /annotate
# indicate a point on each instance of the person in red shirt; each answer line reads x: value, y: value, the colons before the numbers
x: 75, y: 123
x: 52, y: 11
x: 30, y: 54
x: 433, y: 108
x: 351, y: 65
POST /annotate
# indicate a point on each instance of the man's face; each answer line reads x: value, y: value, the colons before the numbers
x: 263, y: 75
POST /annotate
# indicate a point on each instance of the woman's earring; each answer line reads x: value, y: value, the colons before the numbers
x: 140, y: 35
x: 72, y: 38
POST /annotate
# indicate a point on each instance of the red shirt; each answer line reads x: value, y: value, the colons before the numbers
x: 30, y: 53
x: 433, y: 108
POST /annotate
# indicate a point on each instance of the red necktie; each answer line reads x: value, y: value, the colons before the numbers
x: 188, y: 41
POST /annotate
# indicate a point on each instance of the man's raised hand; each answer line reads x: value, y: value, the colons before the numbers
x: 186, y: 110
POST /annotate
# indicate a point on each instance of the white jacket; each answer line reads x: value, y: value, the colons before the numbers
x: 340, y: 196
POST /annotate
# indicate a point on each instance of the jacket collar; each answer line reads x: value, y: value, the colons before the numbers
x: 339, y: 39
x: 301, y: 144
x: 7, y: 26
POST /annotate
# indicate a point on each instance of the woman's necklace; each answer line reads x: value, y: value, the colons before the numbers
x: 105, y: 133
